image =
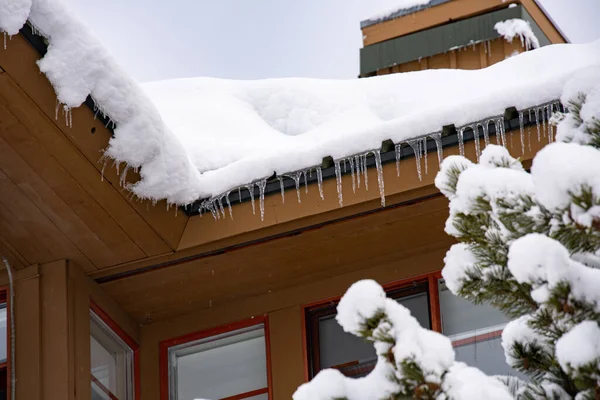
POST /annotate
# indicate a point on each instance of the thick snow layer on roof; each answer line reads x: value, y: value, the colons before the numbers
x: 238, y: 131
x: 399, y: 6
x: 193, y: 138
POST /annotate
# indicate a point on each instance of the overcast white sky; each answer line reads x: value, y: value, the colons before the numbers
x: 250, y: 39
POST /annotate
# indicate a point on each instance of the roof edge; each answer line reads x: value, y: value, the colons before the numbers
x: 400, y: 13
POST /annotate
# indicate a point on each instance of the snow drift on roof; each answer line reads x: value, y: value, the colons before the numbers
x: 201, y: 137
x: 238, y: 131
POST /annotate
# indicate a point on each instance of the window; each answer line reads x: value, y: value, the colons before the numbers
x: 112, y: 361
x: 475, y: 331
x: 330, y: 347
x: 229, y: 363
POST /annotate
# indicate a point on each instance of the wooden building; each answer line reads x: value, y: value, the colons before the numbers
x: 120, y: 299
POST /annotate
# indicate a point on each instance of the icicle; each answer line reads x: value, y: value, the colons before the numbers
x: 351, y: 161
x: 338, y: 179
x: 251, y: 190
x: 305, y: 173
x: 56, y: 110
x: 542, y: 111
x: 296, y: 179
x: 500, y: 130
x: 486, y: 132
x: 345, y: 166
x: 220, y: 201
x: 262, y: 184
x: 358, y: 170
x: 379, y: 167
x: 461, y: 142
x: 365, y: 170
x: 123, y: 179
x: 4, y: 40
x: 398, y: 150
x: 425, y: 153
x: 476, y: 139
x: 209, y: 206
x: 414, y: 144
x: 522, y: 132
x: 229, y: 204
x: 437, y: 138
x: 240, y: 194
x: 548, y: 116
x: 537, y: 123
x: 103, y: 167
x: 282, y: 188
x: 320, y: 182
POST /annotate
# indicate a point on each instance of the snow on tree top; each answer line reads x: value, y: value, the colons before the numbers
x: 199, y: 137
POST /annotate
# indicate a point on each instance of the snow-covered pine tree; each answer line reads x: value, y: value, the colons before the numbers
x: 529, y: 244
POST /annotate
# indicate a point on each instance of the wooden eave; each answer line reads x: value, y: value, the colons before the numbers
x: 58, y: 201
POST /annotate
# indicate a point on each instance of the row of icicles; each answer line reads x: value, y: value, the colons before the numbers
x: 357, y: 164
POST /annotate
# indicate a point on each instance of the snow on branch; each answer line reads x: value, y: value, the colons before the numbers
x: 411, y: 361
x: 530, y: 245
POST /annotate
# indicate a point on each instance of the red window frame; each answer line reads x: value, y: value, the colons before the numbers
x: 166, y: 344
x: 132, y: 344
x: 429, y: 279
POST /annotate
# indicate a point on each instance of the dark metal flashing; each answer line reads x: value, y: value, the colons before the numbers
x: 39, y: 43
x: 388, y: 155
x: 401, y: 13
x: 441, y: 39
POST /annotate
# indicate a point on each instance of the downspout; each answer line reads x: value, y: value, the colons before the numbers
x: 11, y: 303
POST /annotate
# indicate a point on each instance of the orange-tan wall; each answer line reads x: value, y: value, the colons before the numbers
x: 284, y: 310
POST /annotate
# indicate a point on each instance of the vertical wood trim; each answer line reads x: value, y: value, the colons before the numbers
x: 453, y: 63
x: 483, y: 56
x: 28, y: 331
x: 55, y: 338
x: 81, y: 323
x: 434, y: 304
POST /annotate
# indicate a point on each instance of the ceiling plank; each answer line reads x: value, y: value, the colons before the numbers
x: 86, y: 224
x: 52, y: 243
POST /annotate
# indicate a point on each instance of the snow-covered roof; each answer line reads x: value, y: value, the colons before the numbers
x: 197, y: 138
x: 401, y: 8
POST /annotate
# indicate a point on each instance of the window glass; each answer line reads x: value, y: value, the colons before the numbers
x: 475, y: 331
x: 111, y: 363
x: 331, y: 347
x: 3, y: 333
x: 221, y: 366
